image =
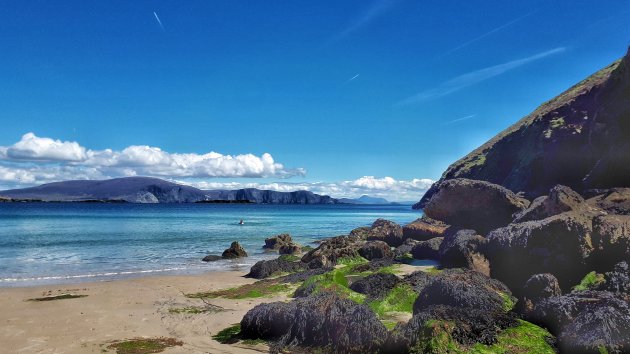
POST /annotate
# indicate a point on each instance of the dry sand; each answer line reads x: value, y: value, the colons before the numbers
x: 118, y: 310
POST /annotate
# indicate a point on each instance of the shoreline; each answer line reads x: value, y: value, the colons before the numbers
x: 120, y: 310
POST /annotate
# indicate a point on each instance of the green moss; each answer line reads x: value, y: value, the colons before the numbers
x: 433, y: 271
x: 389, y: 324
x: 351, y: 261
x: 556, y: 123
x: 228, y: 335
x: 508, y: 301
x: 144, y: 345
x: 436, y: 338
x: 57, y: 297
x: 334, y: 281
x: 263, y: 288
x: 590, y: 281
x: 307, y: 248
x: 602, y: 350
x: 524, y: 338
x: 289, y: 258
x: 194, y: 310
x: 399, y: 299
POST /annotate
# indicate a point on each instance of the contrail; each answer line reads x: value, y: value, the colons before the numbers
x: 352, y: 78
x: 157, y: 18
x: 460, y: 119
x: 497, y: 29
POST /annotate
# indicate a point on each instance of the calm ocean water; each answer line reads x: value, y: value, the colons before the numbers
x: 52, y: 243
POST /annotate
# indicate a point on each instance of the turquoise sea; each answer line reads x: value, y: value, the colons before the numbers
x: 53, y: 243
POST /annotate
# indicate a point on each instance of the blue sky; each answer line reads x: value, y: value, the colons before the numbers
x: 340, y: 94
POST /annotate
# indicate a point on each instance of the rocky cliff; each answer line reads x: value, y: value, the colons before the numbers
x: 579, y: 139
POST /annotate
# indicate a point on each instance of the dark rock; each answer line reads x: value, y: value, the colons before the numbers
x: 290, y: 249
x: 611, y: 239
x: 560, y: 245
x: 466, y: 326
x: 472, y: 204
x: 586, y: 321
x: 561, y: 199
x: 405, y: 249
x: 614, y: 201
x: 463, y: 249
x: 301, y: 276
x: 538, y: 287
x: 266, y: 268
x: 388, y: 231
x: 211, y: 258
x: 375, y: 249
x: 424, y: 229
x: 376, y: 286
x: 429, y: 249
x: 462, y: 290
x: 361, y: 233
x: 417, y: 280
x: 235, y: 251
x: 617, y: 281
x: 323, y: 320
x: 275, y: 242
x: 332, y: 249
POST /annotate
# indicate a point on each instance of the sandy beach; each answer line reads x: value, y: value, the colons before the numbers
x: 119, y: 310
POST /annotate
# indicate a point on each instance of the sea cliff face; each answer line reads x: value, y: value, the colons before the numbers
x: 579, y: 139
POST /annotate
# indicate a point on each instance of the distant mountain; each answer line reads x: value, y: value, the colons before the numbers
x: 154, y: 190
x: 364, y: 199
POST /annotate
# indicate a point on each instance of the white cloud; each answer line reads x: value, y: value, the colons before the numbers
x: 475, y: 77
x: 31, y: 147
x: 35, y: 160
x: 386, y: 187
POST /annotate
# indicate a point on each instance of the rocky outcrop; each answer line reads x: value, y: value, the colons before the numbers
x: 403, y: 251
x: 424, y: 229
x: 618, y: 280
x: 376, y: 286
x: 614, y: 201
x: 235, y: 251
x: 321, y: 321
x: 560, y: 199
x: 277, y: 241
x: 387, y: 231
x: 463, y: 249
x: 375, y: 250
x: 587, y: 321
x: 429, y: 249
x: 560, y: 245
x: 578, y: 139
x: 266, y: 268
x: 332, y: 249
x: 417, y: 280
x: 476, y: 205
x: 292, y: 249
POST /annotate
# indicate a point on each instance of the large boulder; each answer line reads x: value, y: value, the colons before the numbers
x: 611, y: 239
x: 424, y: 229
x: 586, y: 321
x: 560, y: 245
x: 472, y: 204
x: 211, y: 258
x: 376, y: 286
x: 463, y: 249
x: 537, y: 288
x: 291, y: 249
x: 464, y: 289
x: 417, y: 280
x: 403, y: 251
x: 321, y: 321
x: 429, y: 249
x: 440, y: 323
x: 277, y: 241
x: 235, y: 251
x: 375, y: 249
x: 332, y: 249
x: 560, y: 199
x: 266, y: 268
x: 388, y: 231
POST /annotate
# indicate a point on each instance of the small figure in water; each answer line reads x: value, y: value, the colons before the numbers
x: 241, y: 222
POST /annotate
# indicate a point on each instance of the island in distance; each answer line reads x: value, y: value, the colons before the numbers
x: 155, y: 190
